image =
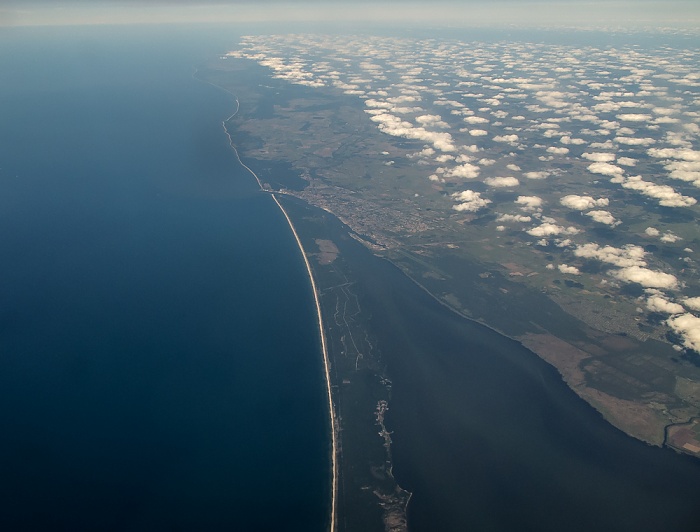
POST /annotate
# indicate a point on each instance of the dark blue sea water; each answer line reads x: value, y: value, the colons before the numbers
x: 159, y: 358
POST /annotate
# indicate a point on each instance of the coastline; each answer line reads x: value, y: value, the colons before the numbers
x: 687, y: 443
x: 608, y: 407
x: 326, y: 364
x: 405, y: 414
x: 567, y: 375
x: 324, y: 348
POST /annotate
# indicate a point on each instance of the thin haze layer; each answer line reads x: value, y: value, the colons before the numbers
x: 678, y: 14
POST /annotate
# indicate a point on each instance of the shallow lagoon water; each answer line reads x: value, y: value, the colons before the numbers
x: 486, y: 435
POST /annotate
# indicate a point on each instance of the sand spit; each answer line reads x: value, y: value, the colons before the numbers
x: 324, y: 347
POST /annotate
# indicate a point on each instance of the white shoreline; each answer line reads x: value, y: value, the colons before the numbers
x: 324, y: 347
x: 327, y: 367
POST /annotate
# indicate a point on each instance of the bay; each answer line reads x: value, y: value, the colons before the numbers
x: 159, y: 357
x: 486, y: 435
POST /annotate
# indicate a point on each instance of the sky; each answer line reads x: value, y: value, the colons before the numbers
x: 595, y: 13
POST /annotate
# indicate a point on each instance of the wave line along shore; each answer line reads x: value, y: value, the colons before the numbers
x: 324, y: 346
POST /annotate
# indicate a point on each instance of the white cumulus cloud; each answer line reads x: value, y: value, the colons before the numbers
x: 502, y: 182
x: 683, y: 154
x: 692, y: 303
x: 537, y: 175
x: 688, y: 327
x: 670, y: 238
x: 605, y: 169
x: 509, y: 139
x: 551, y: 229
x: 466, y: 171
x: 582, y: 203
x: 469, y: 201
x: 661, y: 304
x: 666, y: 195
x: 514, y: 218
x: 599, y: 157
x: 634, y: 117
x: 602, y: 217
x: 475, y: 120
x: 626, y: 256
x: 646, y: 277
x: 572, y: 270
x: 432, y: 120
x: 529, y: 203
x: 635, y: 141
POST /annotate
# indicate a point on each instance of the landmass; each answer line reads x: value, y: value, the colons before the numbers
x: 685, y: 437
x: 499, y: 179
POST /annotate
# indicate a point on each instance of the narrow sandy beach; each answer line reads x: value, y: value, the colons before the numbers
x: 326, y: 364
x: 324, y: 347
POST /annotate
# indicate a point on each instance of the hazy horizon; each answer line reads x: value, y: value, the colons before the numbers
x: 556, y: 13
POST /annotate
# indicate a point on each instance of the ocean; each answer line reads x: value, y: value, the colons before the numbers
x: 159, y: 355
